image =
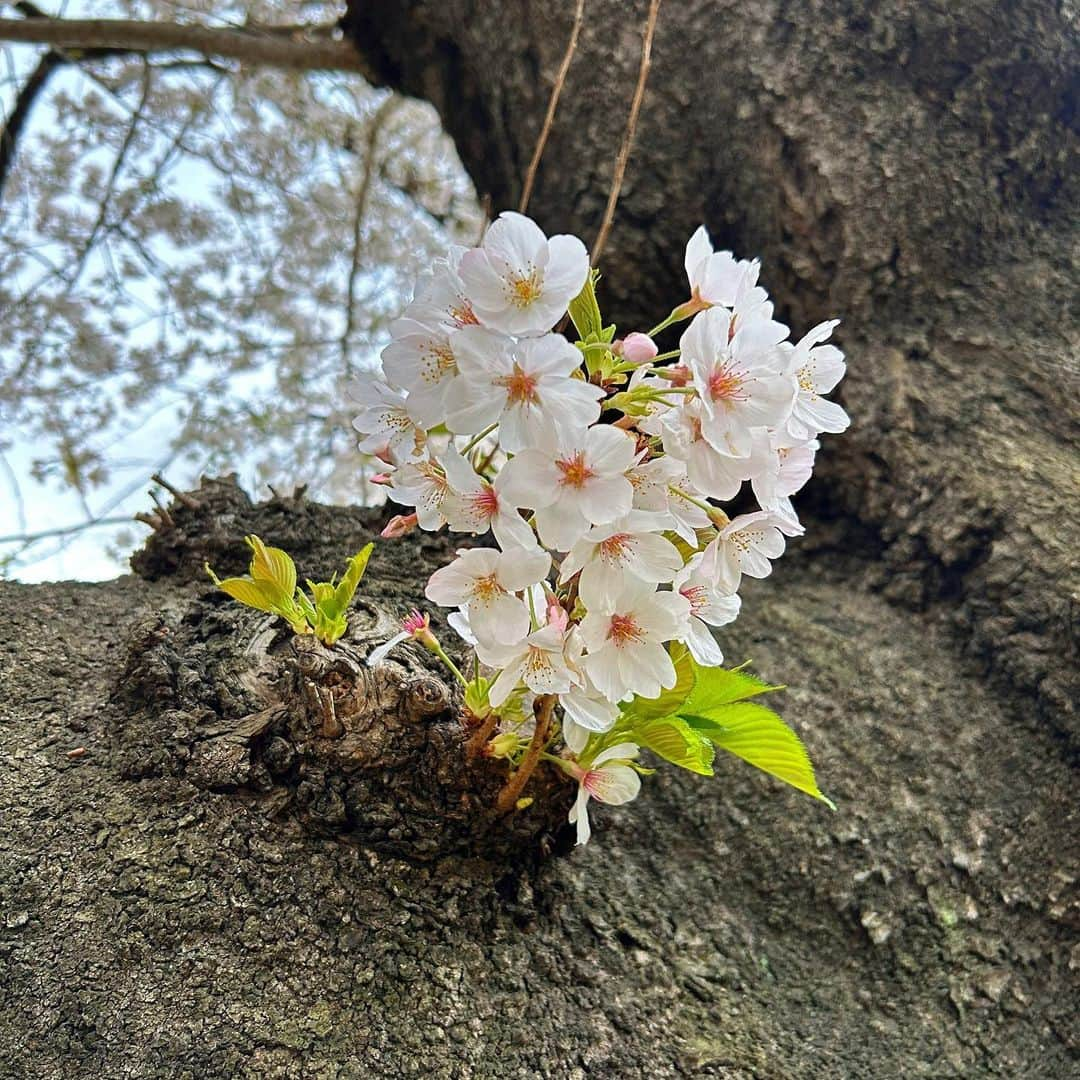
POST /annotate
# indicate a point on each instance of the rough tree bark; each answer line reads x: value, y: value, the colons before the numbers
x: 174, y: 906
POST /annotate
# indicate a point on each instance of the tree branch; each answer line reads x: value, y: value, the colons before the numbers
x: 300, y: 48
x: 24, y: 103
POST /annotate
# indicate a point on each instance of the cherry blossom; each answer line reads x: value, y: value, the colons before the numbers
x: 714, y: 276
x: 697, y: 581
x: 585, y: 711
x: 420, y: 358
x: 526, y: 387
x: 474, y: 505
x: 625, y: 634
x: 631, y: 544
x: 483, y: 581
x: 741, y: 382
x: 744, y: 546
x: 609, y: 779
x: 518, y: 280
x: 539, y: 661
x: 422, y: 483
x: 570, y: 489
x: 817, y: 369
x: 384, y: 421
x: 662, y: 484
x: 441, y: 298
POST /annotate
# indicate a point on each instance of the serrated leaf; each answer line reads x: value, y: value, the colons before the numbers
x: 321, y: 591
x: 758, y: 736
x: 670, y: 701
x: 714, y: 686
x: 253, y: 594
x: 272, y: 566
x: 346, y: 588
x: 585, y: 311
x: 676, y: 741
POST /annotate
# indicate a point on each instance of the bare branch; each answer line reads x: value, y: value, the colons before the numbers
x: 382, y: 114
x: 24, y: 103
x: 631, y: 127
x: 65, y: 530
x: 553, y: 103
x: 299, y: 48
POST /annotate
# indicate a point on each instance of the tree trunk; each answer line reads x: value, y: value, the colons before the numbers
x: 196, y: 894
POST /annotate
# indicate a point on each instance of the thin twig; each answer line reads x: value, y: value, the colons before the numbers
x: 166, y: 517
x: 181, y: 497
x: 631, y: 127
x: 378, y: 121
x: 508, y: 797
x: 553, y: 103
x: 481, y: 735
x: 65, y: 530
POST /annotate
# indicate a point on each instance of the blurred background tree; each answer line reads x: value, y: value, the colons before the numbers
x: 196, y: 256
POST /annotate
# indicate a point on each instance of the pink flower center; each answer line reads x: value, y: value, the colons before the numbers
x: 485, y: 502
x: 575, y: 471
x: 725, y: 384
x: 696, y: 595
x: 623, y: 629
x: 520, y: 386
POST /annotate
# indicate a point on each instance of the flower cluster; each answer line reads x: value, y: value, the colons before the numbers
x: 598, y: 466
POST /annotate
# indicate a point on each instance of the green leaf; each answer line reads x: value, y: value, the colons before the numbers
x: 758, y: 736
x: 272, y: 566
x: 346, y: 588
x: 253, y: 594
x: 321, y: 591
x: 585, y: 311
x: 715, y: 686
x: 670, y: 701
x: 676, y: 741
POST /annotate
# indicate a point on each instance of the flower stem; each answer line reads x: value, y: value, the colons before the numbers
x: 481, y: 735
x: 476, y: 439
x: 667, y: 355
x: 440, y: 652
x: 508, y: 797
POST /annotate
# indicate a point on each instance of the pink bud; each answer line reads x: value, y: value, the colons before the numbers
x: 556, y: 615
x: 638, y: 348
x: 419, y: 627
x: 398, y: 526
x: 381, y: 478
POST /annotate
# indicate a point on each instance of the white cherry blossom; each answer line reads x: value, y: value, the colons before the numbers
x: 714, y: 276
x: 422, y: 483
x: 525, y: 386
x: 744, y: 546
x: 384, y: 421
x: 570, y: 489
x: 817, y: 369
x: 609, y: 779
x: 741, y: 382
x: 585, y: 711
x: 662, y: 485
x: 715, y: 474
x: 420, y: 358
x: 539, y: 661
x: 483, y: 581
x: 631, y: 544
x: 518, y: 280
x: 708, y: 607
x: 440, y: 297
x: 474, y: 505
x: 625, y: 634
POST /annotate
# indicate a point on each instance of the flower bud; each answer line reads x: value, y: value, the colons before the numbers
x: 398, y: 526
x: 638, y: 348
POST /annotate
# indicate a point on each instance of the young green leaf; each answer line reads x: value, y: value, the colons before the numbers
x: 346, y: 588
x: 248, y: 592
x: 676, y: 741
x: 585, y: 311
x: 272, y: 566
x: 714, y: 687
x: 758, y: 736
